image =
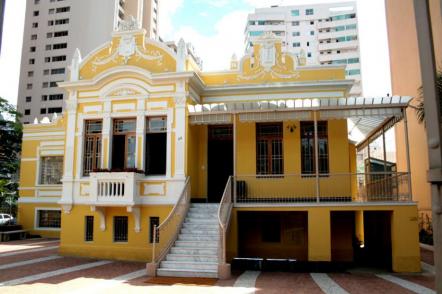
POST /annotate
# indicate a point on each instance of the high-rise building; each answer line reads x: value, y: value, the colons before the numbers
x: 2, y: 14
x: 53, y: 30
x: 406, y: 80
x: 319, y: 34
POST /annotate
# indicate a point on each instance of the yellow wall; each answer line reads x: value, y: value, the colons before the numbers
x: 404, y: 232
x: 26, y: 218
x: 197, y: 160
x: 137, y: 248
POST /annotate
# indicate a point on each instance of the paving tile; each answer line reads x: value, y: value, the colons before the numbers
x: 366, y: 284
x: 423, y: 280
x: 279, y: 283
x: 27, y: 256
x: 22, y: 271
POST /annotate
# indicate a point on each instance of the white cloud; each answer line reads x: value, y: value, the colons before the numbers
x: 203, y: 14
x: 216, y: 50
x: 166, y: 12
x: 219, y: 3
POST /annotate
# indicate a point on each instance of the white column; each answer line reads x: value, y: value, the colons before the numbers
x: 68, y: 172
x: 140, y: 133
x: 180, y: 130
x: 106, y: 136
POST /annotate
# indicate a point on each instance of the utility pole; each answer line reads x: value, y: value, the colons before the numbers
x: 433, y: 129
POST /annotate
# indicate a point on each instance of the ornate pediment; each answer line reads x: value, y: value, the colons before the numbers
x: 268, y: 61
x: 127, y: 49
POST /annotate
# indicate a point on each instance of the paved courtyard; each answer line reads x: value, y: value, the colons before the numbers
x: 33, y: 266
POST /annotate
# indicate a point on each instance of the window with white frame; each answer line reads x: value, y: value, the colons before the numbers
x: 51, y: 170
x: 49, y: 218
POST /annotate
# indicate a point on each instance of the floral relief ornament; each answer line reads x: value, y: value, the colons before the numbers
x: 127, y: 48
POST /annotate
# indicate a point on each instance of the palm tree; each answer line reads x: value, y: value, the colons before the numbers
x: 420, y: 111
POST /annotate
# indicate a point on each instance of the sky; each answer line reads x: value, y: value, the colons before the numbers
x: 216, y: 30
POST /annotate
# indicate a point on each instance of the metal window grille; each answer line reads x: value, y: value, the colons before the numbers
x: 51, y: 170
x: 154, y: 221
x: 92, y: 146
x: 269, y: 149
x: 308, y: 147
x: 49, y: 218
x: 120, y: 228
x: 89, y: 228
x: 122, y: 126
x: 156, y: 124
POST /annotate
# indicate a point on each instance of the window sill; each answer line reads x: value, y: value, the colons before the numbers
x: 47, y: 229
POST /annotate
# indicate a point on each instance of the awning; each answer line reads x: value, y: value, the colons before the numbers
x: 365, y: 113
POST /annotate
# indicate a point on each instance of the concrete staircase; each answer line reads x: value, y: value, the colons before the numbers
x: 195, y: 252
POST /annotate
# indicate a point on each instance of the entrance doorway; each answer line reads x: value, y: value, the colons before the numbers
x: 219, y: 160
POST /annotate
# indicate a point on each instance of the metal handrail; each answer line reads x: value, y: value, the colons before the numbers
x: 174, y: 220
x: 224, y: 211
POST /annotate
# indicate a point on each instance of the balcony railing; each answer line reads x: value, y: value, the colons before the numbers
x: 327, y: 188
x: 114, y: 188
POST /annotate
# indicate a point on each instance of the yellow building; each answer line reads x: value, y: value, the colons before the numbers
x: 252, y: 162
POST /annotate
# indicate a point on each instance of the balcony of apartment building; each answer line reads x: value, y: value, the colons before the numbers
x: 299, y: 152
x: 327, y: 34
x: 331, y: 55
x: 339, y: 44
x: 336, y: 22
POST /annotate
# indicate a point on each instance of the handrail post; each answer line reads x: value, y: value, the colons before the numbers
x: 154, y: 241
x: 408, y: 154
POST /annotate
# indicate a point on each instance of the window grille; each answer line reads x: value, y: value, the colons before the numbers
x: 89, y: 228
x: 154, y: 221
x: 92, y: 146
x: 269, y: 149
x: 49, y: 218
x: 156, y: 124
x: 51, y: 170
x: 120, y: 228
x: 308, y: 147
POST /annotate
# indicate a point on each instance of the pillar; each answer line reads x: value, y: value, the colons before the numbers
x: 319, y: 234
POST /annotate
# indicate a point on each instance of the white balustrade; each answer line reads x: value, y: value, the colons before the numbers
x: 114, y: 188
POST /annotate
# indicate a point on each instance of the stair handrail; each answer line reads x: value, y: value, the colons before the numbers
x: 224, y: 211
x: 174, y: 221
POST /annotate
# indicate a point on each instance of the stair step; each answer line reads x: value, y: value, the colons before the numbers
x: 196, y: 251
x: 194, y: 237
x: 201, y: 221
x: 192, y: 258
x: 199, y: 231
x: 201, y: 209
x: 202, y: 215
x: 196, y: 244
x: 189, y: 265
x: 201, y: 226
x: 187, y: 273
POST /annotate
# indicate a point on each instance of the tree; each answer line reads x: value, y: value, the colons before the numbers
x: 10, y: 146
x: 420, y: 112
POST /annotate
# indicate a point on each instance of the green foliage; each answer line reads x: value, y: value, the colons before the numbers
x: 10, y: 146
x: 420, y: 111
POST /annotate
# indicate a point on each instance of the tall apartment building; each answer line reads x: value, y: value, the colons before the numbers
x: 2, y: 14
x: 53, y: 30
x: 320, y: 34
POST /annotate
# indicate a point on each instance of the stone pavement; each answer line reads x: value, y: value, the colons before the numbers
x: 33, y: 266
